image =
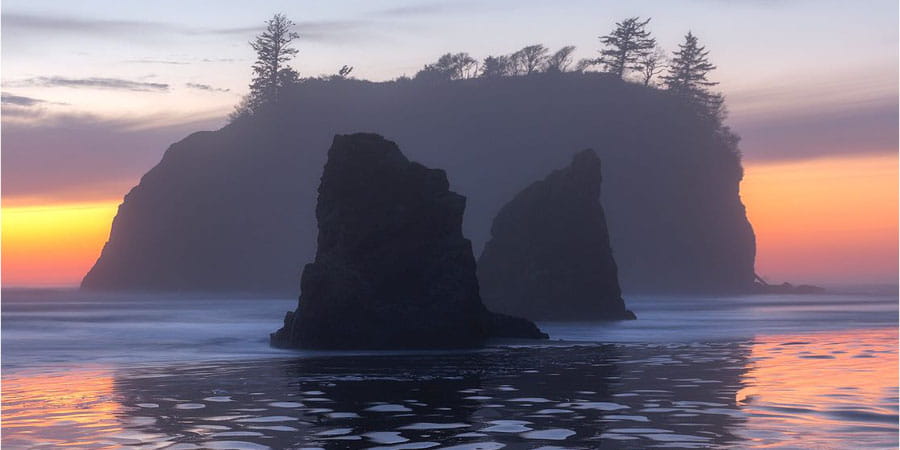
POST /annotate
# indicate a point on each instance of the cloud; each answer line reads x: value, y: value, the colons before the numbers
x: 425, y: 9
x: 843, y: 114
x: 858, y: 130
x: 181, y: 62
x: 21, y: 108
x: 155, y: 61
x: 18, y: 24
x: 94, y: 83
x: 13, y: 112
x: 333, y: 30
x: 18, y: 100
x: 250, y: 29
x: 205, y: 87
x: 84, y: 157
x: 313, y: 30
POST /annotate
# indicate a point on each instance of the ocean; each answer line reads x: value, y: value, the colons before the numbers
x: 90, y: 370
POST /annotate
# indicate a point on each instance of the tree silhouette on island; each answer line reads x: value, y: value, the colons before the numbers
x: 628, y: 49
x: 271, y: 72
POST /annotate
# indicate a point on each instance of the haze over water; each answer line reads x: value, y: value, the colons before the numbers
x: 757, y: 371
x: 731, y: 159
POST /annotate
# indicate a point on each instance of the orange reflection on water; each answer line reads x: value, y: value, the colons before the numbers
x: 802, y: 391
x: 75, y: 409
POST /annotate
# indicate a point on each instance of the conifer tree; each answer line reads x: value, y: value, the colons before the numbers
x: 688, y: 69
x: 626, y: 46
x: 271, y: 72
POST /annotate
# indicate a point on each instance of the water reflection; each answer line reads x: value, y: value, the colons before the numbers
x: 817, y: 389
x: 55, y: 409
x: 826, y: 390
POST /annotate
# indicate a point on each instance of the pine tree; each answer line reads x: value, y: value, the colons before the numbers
x: 625, y: 46
x: 688, y: 69
x: 270, y: 71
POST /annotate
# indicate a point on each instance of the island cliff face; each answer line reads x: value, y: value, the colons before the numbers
x: 233, y: 209
x: 549, y: 256
x: 392, y: 268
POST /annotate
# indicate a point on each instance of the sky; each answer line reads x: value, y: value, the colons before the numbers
x: 93, y: 92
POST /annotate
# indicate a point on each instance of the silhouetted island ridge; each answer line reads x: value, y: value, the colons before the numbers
x: 233, y: 209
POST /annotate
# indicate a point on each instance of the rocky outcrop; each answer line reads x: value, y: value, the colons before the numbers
x: 761, y: 286
x: 392, y: 268
x: 549, y: 256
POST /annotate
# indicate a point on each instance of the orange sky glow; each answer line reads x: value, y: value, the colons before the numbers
x: 53, y: 244
x: 817, y: 221
x: 828, y: 220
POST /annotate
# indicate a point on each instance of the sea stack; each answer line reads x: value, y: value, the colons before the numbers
x: 549, y: 256
x: 392, y: 268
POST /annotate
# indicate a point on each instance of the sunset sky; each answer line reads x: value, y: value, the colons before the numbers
x: 95, y: 91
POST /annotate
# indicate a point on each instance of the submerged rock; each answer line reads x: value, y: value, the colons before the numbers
x: 549, y: 257
x: 392, y: 268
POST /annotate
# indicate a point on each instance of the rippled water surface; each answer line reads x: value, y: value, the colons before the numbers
x: 190, y: 373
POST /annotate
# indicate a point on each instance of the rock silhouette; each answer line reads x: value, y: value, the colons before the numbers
x: 392, y: 268
x: 549, y: 256
x: 233, y: 209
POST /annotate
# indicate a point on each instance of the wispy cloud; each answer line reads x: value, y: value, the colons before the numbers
x: 156, y: 61
x: 843, y: 114
x: 21, y: 24
x: 331, y: 30
x: 84, y: 157
x: 421, y: 9
x: 18, y: 22
x: 25, y: 23
x: 180, y: 62
x: 94, y: 83
x: 869, y: 129
x: 18, y: 100
x: 205, y: 87
x: 19, y: 107
x: 13, y: 113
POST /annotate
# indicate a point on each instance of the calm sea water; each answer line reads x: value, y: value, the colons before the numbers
x: 87, y: 371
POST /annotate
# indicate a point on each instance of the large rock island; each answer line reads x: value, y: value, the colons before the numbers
x: 233, y: 209
x: 549, y: 256
x: 392, y: 268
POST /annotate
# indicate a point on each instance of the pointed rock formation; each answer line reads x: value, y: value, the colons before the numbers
x: 392, y: 268
x: 549, y: 257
